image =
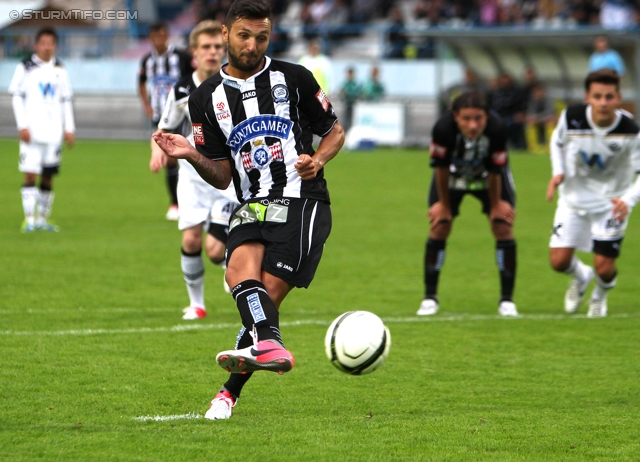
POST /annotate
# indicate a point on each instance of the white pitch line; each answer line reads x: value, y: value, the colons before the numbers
x: 166, y: 418
x: 443, y: 317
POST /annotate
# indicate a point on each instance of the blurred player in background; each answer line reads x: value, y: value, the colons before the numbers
x: 159, y: 71
x: 469, y: 155
x: 595, y: 155
x: 254, y: 123
x: 44, y: 116
x: 201, y: 205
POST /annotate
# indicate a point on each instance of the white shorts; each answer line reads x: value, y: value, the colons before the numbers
x: 577, y: 229
x: 36, y: 156
x: 200, y: 203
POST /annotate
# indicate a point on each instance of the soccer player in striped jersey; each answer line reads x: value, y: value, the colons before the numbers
x: 201, y: 205
x: 44, y: 116
x: 469, y: 156
x: 253, y: 123
x: 595, y: 157
x: 159, y: 71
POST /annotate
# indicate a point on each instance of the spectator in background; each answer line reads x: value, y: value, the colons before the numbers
x: 396, y: 35
x: 618, y: 14
x: 319, y: 65
x: 604, y: 57
x: 471, y: 83
x: 373, y: 90
x: 349, y: 94
x: 541, y: 112
x: 584, y: 12
x: 506, y: 100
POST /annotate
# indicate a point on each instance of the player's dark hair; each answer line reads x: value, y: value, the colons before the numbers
x: 47, y: 31
x: 248, y: 9
x: 604, y: 76
x: 470, y: 99
x: 158, y: 26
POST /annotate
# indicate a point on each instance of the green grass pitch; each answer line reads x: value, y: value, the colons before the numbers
x: 97, y: 364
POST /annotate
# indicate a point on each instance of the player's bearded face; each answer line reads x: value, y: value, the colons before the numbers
x: 604, y: 100
x: 471, y: 122
x: 247, y: 43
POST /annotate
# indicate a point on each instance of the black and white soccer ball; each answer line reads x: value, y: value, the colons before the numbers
x: 357, y: 342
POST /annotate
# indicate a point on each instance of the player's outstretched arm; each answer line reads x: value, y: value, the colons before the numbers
x: 216, y: 173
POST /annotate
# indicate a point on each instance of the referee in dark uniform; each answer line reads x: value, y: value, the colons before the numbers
x: 254, y: 123
x: 469, y: 156
x: 159, y: 71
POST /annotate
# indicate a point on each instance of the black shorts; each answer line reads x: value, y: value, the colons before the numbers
x: 220, y: 232
x: 507, y: 190
x: 293, y: 232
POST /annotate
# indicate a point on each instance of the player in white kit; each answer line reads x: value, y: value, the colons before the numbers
x: 202, y: 207
x: 44, y: 116
x: 595, y: 156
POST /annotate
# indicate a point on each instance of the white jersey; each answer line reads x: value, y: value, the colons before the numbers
x: 176, y: 118
x: 42, y: 99
x: 598, y: 163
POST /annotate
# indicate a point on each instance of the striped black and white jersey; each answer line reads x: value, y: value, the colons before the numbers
x: 598, y: 163
x: 160, y: 73
x: 469, y: 161
x: 261, y: 125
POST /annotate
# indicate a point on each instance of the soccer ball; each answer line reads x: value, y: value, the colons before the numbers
x: 357, y: 342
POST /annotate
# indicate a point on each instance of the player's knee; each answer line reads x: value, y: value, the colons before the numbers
x: 502, y: 230
x: 440, y: 231
x: 605, y: 269
x: 191, y: 242
x: 559, y: 262
x: 215, y: 252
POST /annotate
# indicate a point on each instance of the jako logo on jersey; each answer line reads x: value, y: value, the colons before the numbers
x: 437, y: 151
x: 499, y: 157
x: 615, y: 147
x: 248, y: 94
x: 595, y: 159
x: 264, y: 125
x: 46, y: 88
x: 198, y: 134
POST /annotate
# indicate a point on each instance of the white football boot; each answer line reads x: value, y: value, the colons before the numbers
x: 428, y: 307
x: 575, y: 293
x: 507, y: 308
x: 193, y: 312
x: 221, y: 406
x: 597, y: 308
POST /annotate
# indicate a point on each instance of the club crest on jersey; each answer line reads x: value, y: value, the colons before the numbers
x: 259, y: 127
x: 261, y: 155
x: 198, y: 134
x: 280, y: 93
x: 323, y: 99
